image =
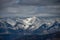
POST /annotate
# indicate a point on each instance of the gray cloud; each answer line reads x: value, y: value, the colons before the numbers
x: 20, y: 8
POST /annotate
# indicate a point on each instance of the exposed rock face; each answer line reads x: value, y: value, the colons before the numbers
x: 28, y: 8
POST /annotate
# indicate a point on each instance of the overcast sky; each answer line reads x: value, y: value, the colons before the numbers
x: 29, y: 8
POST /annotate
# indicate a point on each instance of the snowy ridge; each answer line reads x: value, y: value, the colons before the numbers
x: 31, y: 24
